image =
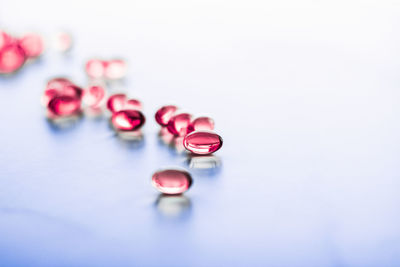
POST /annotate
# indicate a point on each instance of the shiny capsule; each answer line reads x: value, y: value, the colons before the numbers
x: 32, y: 44
x: 64, y: 106
x: 115, y: 69
x: 178, y: 125
x: 201, y: 124
x: 202, y: 142
x: 116, y: 102
x: 164, y: 114
x: 12, y: 57
x: 60, y: 87
x: 93, y: 96
x: 172, y: 181
x: 62, y: 41
x: 127, y: 120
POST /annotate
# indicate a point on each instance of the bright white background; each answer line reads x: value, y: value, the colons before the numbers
x: 304, y: 93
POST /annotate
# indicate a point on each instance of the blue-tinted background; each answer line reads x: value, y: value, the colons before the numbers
x: 304, y: 93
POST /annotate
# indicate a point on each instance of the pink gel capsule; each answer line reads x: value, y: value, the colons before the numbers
x: 96, y: 68
x: 133, y: 104
x: 116, y: 102
x: 58, y: 83
x: 178, y: 125
x: 68, y: 89
x: 5, y: 39
x: 93, y: 96
x: 115, y: 69
x: 32, y: 44
x: 64, y: 106
x: 164, y: 114
x: 12, y: 57
x: 202, y: 142
x: 127, y: 120
x: 201, y: 124
x: 172, y: 182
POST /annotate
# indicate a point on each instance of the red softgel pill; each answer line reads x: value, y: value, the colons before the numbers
x: 127, y: 120
x: 171, y: 181
x: 116, y: 102
x: 64, y: 106
x: 202, y: 142
x: 93, y: 96
x: 96, y: 68
x: 201, y: 124
x: 5, y: 39
x: 164, y: 114
x: 32, y: 44
x: 12, y: 57
x: 60, y: 87
x: 178, y: 125
x: 133, y: 104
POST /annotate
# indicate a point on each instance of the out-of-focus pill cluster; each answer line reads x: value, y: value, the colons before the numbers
x: 63, y: 99
x: 15, y: 51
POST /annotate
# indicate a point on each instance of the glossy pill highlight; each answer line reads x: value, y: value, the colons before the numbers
x: 172, y: 181
x: 202, y: 142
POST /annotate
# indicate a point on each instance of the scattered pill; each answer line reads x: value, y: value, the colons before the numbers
x: 201, y: 124
x: 172, y: 181
x: 164, y: 114
x: 202, y: 142
x: 127, y: 120
x: 178, y: 125
x: 32, y: 44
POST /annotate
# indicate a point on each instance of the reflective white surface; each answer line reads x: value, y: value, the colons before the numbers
x: 304, y: 93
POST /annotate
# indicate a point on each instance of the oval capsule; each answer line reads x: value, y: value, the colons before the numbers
x: 172, y: 181
x: 96, y: 68
x: 60, y: 88
x: 93, y: 96
x: 32, y: 44
x: 202, y: 142
x: 127, y: 120
x: 178, y: 125
x: 201, y: 124
x: 115, y: 69
x: 64, y: 105
x: 12, y: 57
x: 164, y: 114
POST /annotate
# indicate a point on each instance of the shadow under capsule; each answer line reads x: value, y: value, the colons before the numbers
x: 64, y: 123
x: 175, y: 143
x: 131, y: 140
x: 209, y: 165
x: 173, y: 206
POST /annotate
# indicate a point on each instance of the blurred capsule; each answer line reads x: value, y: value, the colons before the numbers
x: 172, y: 181
x: 202, y: 142
x: 62, y: 41
x: 12, y: 57
x: 116, y: 102
x: 115, y: 69
x: 93, y: 96
x: 178, y: 125
x: 164, y: 114
x: 64, y: 106
x: 60, y: 87
x: 5, y: 39
x: 201, y: 124
x: 127, y: 120
x: 32, y: 44
x: 95, y: 68
x: 133, y: 104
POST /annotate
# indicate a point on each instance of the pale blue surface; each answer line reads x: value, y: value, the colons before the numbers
x: 305, y: 95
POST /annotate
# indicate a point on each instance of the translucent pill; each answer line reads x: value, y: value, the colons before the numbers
x: 32, y: 44
x: 115, y: 69
x: 178, y: 125
x: 164, y: 114
x: 64, y: 106
x: 96, y: 68
x: 12, y: 57
x: 93, y: 96
x: 201, y: 124
x: 172, y: 181
x: 202, y: 142
x: 127, y: 120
